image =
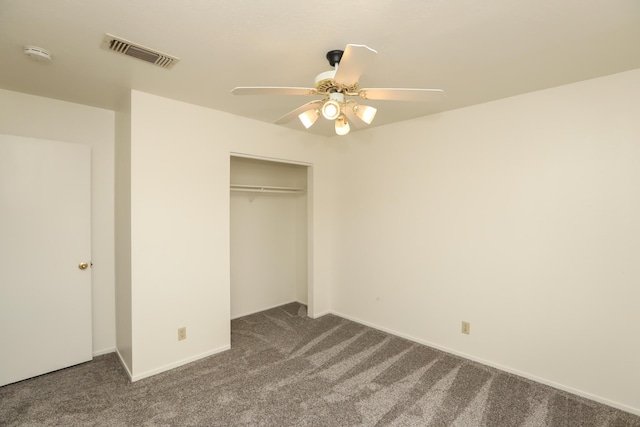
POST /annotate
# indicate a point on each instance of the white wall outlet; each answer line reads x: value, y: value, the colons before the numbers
x: 182, y: 333
x: 466, y: 327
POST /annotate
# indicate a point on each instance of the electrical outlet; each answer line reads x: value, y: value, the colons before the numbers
x: 466, y: 327
x: 182, y: 333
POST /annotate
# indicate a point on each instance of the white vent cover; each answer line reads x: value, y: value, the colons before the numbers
x: 128, y: 48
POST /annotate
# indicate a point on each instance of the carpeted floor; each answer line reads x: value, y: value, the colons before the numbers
x: 285, y: 369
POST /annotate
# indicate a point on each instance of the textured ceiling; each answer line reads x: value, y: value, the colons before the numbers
x: 477, y: 51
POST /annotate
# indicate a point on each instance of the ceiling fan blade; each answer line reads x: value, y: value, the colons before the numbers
x: 293, y: 114
x: 266, y: 90
x: 355, y: 59
x: 399, y: 94
x: 353, y: 119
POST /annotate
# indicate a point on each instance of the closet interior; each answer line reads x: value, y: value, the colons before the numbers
x: 268, y: 216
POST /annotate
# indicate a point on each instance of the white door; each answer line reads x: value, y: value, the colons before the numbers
x: 45, y: 298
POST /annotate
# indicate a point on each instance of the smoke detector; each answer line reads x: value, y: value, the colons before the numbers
x: 37, y: 53
x: 125, y: 47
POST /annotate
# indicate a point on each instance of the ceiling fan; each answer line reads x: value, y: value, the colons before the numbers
x: 336, y: 87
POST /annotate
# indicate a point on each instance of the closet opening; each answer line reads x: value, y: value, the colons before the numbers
x: 270, y: 206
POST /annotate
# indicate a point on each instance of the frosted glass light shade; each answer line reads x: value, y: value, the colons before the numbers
x: 365, y: 112
x: 331, y: 109
x: 342, y: 126
x: 309, y: 117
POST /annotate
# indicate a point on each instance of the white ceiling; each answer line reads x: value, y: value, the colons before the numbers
x: 476, y: 50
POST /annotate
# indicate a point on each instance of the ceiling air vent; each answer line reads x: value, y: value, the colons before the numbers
x: 128, y: 48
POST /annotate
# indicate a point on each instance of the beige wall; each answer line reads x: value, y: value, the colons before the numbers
x: 180, y: 224
x: 519, y: 216
x: 124, y: 328
x: 37, y: 117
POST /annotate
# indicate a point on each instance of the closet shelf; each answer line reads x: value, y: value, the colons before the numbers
x: 267, y: 189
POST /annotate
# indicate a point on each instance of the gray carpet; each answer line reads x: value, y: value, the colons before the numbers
x: 285, y: 369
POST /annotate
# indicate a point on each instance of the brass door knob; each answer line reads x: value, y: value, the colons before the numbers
x: 83, y: 266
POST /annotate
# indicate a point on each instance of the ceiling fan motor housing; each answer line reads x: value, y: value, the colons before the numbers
x: 324, y: 80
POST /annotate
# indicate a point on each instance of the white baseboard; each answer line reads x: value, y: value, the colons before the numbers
x: 124, y: 365
x: 237, y: 316
x: 324, y: 313
x: 621, y: 406
x: 173, y: 365
x: 104, y: 351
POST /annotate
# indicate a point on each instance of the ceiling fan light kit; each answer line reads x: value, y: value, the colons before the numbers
x: 331, y: 109
x: 366, y: 113
x: 337, y: 84
x: 309, y: 117
x: 342, y: 125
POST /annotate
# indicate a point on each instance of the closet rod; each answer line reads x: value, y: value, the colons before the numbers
x: 266, y: 189
x: 258, y: 190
